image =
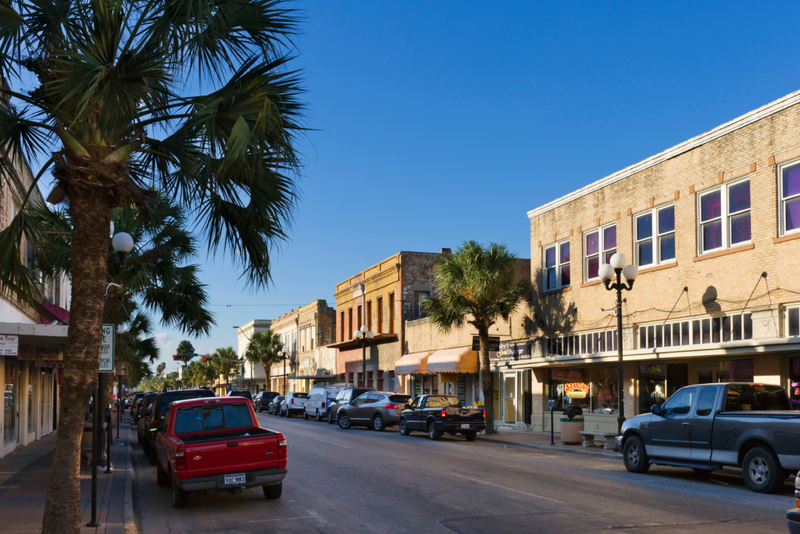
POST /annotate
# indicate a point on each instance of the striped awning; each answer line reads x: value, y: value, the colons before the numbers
x: 412, y: 364
x: 458, y: 360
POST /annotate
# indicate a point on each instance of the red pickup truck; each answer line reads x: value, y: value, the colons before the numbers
x: 216, y: 444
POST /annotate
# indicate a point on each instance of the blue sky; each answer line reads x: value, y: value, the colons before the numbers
x: 440, y: 122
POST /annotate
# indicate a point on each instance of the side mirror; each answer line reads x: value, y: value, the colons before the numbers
x: 656, y: 409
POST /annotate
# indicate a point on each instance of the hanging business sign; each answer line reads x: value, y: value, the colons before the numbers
x: 107, y: 350
x: 494, y: 343
x: 9, y: 345
x: 512, y: 351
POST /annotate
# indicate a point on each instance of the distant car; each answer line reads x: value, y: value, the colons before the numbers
x: 135, y: 405
x: 293, y: 403
x: 263, y: 399
x: 241, y: 393
x: 342, y: 398
x: 375, y: 409
x: 275, y: 405
x: 319, y: 399
x: 793, y: 515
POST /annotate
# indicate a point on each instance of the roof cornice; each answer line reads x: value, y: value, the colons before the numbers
x: 720, y: 131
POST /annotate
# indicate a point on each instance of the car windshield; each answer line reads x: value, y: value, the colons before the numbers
x: 181, y: 395
x: 207, y: 418
x: 443, y: 402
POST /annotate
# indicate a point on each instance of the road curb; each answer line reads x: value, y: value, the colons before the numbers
x: 552, y: 448
x: 128, y: 521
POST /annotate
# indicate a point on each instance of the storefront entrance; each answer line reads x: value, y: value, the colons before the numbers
x: 510, y: 398
x: 11, y: 405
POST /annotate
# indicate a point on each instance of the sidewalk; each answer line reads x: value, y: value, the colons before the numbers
x: 24, y: 475
x: 541, y: 440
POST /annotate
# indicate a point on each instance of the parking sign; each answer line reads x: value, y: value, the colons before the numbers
x: 107, y: 350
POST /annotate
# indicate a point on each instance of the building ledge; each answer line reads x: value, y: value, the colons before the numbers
x: 356, y: 344
x: 724, y: 252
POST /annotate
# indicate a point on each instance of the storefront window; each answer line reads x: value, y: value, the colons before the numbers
x: 728, y: 371
x: 30, y: 401
x: 569, y: 386
x: 794, y: 391
x: 9, y: 405
x: 604, y: 392
x: 652, y: 386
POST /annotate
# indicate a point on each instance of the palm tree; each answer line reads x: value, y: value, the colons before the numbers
x: 263, y: 349
x: 106, y: 118
x: 477, y: 285
x: 160, y: 368
x: 136, y: 348
x: 226, y: 367
x: 185, y: 347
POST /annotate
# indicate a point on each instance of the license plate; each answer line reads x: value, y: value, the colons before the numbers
x: 465, y: 425
x: 234, y: 479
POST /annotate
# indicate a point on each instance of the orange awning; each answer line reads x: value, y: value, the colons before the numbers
x: 412, y: 364
x: 458, y: 360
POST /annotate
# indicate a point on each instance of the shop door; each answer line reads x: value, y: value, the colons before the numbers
x: 510, y: 399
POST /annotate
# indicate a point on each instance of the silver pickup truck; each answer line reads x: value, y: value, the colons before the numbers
x: 707, y: 426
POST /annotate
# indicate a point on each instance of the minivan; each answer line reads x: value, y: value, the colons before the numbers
x: 319, y: 398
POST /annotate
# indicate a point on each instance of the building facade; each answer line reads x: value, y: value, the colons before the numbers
x: 253, y: 374
x: 713, y: 225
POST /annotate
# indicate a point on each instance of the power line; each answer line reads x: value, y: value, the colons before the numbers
x: 251, y: 305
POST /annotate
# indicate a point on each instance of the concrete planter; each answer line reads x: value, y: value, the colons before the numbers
x: 571, y: 430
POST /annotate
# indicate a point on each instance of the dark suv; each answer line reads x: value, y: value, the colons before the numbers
x: 241, y: 393
x: 344, y: 397
x: 152, y: 420
x: 263, y: 399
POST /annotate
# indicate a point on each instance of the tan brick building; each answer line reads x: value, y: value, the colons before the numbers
x: 382, y: 297
x: 702, y: 220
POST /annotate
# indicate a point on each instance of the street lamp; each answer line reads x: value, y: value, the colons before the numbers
x: 364, y: 336
x: 284, y: 357
x: 626, y: 275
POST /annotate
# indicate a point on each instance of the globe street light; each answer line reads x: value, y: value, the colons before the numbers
x: 364, y: 336
x: 625, y: 275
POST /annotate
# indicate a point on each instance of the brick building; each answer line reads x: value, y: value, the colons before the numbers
x: 713, y: 225
x: 382, y: 297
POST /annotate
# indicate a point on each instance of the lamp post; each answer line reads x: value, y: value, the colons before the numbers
x: 364, y: 336
x: 625, y: 275
x: 283, y: 356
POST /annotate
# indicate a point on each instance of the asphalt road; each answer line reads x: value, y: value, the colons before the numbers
x: 359, y: 480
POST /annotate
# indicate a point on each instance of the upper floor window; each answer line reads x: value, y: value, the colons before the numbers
x: 724, y: 217
x: 556, y: 266
x: 419, y: 300
x: 655, y: 236
x: 598, y: 247
x: 790, y: 199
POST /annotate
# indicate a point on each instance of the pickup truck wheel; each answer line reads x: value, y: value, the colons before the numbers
x: 305, y: 418
x: 319, y: 417
x: 762, y: 471
x: 344, y: 421
x: 433, y: 432
x: 273, y: 492
x: 634, y: 455
x: 404, y: 431
x: 330, y: 417
x: 162, y: 478
x: 377, y: 423
x: 180, y: 498
x: 470, y: 435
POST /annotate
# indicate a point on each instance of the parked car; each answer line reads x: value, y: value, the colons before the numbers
x: 144, y: 408
x: 159, y: 409
x: 343, y: 397
x: 293, y: 403
x: 137, y: 397
x: 438, y: 414
x: 274, y: 407
x: 262, y: 400
x: 708, y: 426
x: 375, y: 409
x: 319, y: 398
x: 241, y: 393
x: 793, y: 515
x: 216, y: 444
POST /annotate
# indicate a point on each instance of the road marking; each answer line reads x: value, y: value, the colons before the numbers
x: 509, y: 489
x: 280, y: 519
x: 329, y: 442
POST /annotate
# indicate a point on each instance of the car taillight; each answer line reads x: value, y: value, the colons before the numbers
x: 392, y: 406
x: 444, y: 412
x: 281, y: 446
x: 292, y: 401
x: 484, y: 414
x: 180, y: 459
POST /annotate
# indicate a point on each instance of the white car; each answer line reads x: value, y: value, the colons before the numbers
x: 319, y: 399
x: 293, y: 404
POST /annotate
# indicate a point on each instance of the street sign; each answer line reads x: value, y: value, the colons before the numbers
x: 494, y: 343
x: 9, y: 345
x: 122, y: 369
x: 107, y: 350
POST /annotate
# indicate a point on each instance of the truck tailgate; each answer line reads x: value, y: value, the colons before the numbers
x: 232, y: 455
x: 464, y: 415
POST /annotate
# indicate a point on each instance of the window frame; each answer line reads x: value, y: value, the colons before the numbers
x: 725, y: 216
x: 558, y: 265
x: 601, y: 231
x: 655, y: 236
x: 782, y: 201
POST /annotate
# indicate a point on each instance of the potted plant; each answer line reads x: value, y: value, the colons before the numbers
x: 572, y: 424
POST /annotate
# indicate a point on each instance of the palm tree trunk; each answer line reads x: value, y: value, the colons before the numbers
x: 91, y: 217
x: 266, y: 375
x: 488, y: 389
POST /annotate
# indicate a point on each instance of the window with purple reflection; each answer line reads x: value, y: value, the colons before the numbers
x: 712, y: 236
x: 790, y: 198
x: 593, y: 243
x: 644, y: 226
x: 564, y: 253
x: 739, y: 195
x: 600, y: 245
x: 610, y: 238
x: 593, y: 267
x: 556, y: 266
x: 711, y: 206
x: 550, y: 257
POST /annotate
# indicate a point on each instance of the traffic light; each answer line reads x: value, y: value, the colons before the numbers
x: 206, y: 358
x: 174, y: 356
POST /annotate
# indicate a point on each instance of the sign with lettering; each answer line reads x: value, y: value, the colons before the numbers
x: 107, y: 349
x: 9, y: 345
x: 35, y: 352
x: 494, y: 343
x: 513, y: 351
